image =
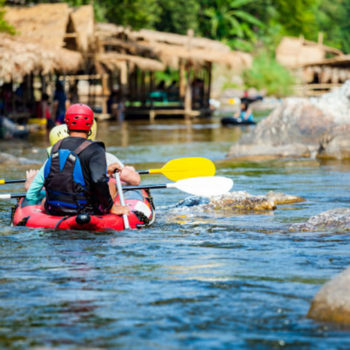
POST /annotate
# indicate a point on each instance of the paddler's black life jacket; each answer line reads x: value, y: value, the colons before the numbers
x: 66, y: 192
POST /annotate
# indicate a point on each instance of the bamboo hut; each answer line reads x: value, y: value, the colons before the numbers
x: 295, y: 52
x: 310, y: 61
x: 321, y: 76
x: 39, y: 50
x: 192, y: 57
x: 55, y: 39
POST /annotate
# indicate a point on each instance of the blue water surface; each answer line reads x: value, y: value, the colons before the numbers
x: 193, y: 280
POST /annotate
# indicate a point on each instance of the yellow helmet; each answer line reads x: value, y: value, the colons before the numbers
x: 57, y: 133
x: 93, y: 131
x: 60, y: 132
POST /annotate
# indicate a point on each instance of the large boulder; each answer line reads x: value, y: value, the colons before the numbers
x: 335, y: 144
x: 297, y: 127
x: 331, y: 220
x: 332, y: 302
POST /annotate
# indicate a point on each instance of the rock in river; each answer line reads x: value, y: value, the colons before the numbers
x: 9, y: 159
x: 332, y: 220
x: 332, y: 302
x: 238, y: 202
x: 335, y: 144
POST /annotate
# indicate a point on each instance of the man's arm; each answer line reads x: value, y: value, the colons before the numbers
x: 35, y: 192
x: 128, y: 174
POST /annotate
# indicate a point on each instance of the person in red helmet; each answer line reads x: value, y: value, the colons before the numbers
x: 75, y: 173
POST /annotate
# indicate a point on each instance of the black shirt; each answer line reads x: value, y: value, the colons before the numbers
x: 93, y: 164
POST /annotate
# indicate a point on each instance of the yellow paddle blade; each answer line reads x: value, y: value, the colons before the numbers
x: 2, y: 181
x: 184, y: 168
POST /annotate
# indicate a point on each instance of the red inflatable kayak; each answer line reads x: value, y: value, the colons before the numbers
x: 140, y: 203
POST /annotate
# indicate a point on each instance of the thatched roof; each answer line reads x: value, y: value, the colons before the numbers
x: 171, y: 55
x: 171, y: 48
x: 129, y: 47
x: 19, y: 57
x: 296, y: 52
x: 83, y: 23
x: 39, y: 43
x: 153, y: 36
x: 109, y: 30
x: 112, y: 61
x: 44, y: 23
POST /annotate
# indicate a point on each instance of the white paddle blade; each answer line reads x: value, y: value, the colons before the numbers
x: 5, y: 196
x: 205, y: 186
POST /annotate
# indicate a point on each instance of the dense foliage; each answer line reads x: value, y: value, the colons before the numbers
x: 266, y: 74
x: 242, y: 24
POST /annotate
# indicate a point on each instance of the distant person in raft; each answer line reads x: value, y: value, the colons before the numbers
x: 245, y: 114
x: 74, y: 176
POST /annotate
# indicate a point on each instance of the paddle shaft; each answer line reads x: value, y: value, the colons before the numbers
x: 121, y: 199
x: 14, y: 181
x: 124, y: 187
x: 17, y: 181
x: 138, y: 187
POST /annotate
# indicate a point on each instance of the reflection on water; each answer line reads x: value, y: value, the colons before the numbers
x: 194, y: 279
x: 165, y: 132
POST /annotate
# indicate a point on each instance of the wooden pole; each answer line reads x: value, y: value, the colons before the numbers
x: 143, y: 88
x: 105, y: 93
x: 188, y: 94
x: 320, y: 38
x: 188, y: 91
x: 151, y: 82
x: 123, y: 79
x: 182, y: 80
x: 210, y: 68
x: 136, y: 87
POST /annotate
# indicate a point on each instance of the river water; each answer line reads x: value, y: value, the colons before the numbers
x: 191, y: 281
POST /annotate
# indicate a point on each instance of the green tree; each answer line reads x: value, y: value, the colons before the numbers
x: 297, y: 17
x: 178, y: 16
x: 134, y: 13
x: 285, y: 17
x: 344, y: 26
x: 267, y: 74
x: 228, y: 20
x: 4, y: 26
x: 333, y: 20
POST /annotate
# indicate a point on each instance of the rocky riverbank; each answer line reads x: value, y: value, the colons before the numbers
x: 299, y: 128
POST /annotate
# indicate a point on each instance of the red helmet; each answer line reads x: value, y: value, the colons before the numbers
x: 79, y: 117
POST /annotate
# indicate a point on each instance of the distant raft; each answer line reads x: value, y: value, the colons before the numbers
x: 231, y: 121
